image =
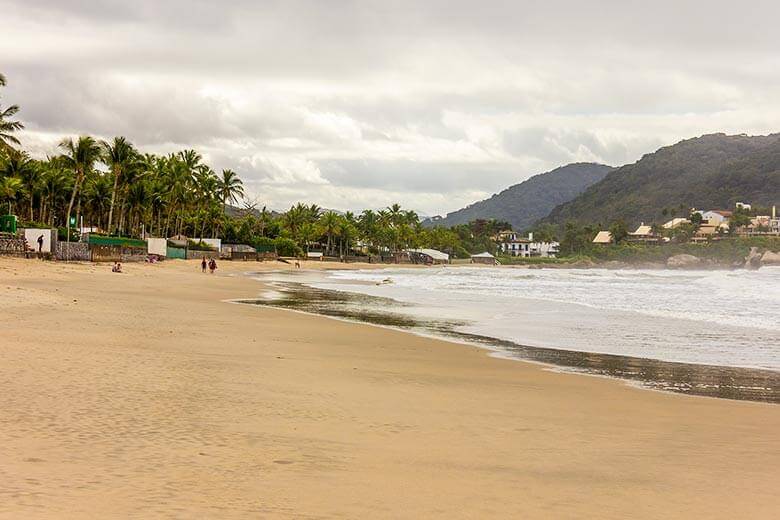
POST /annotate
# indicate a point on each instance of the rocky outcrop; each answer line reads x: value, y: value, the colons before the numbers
x: 770, y: 258
x: 683, y: 262
x: 753, y: 259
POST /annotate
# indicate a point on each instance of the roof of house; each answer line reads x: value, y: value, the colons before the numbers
x: 721, y: 212
x: 603, y: 237
x: 483, y: 255
x: 676, y: 222
x: 707, y: 229
x: 436, y: 255
x: 642, y: 230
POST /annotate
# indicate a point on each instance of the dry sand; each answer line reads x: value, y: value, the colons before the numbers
x: 144, y: 395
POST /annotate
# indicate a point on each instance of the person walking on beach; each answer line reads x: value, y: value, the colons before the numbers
x: 203, y: 265
x: 40, y: 244
x: 212, y: 265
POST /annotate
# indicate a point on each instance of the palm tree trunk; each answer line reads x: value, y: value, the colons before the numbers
x: 76, y: 185
x: 113, y: 199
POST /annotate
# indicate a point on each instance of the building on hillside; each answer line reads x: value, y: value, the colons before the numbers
x: 484, y: 258
x: 512, y: 244
x: 603, y: 237
x: 428, y: 256
x: 707, y: 232
x: 715, y: 216
x: 643, y: 233
x: 762, y: 225
x: 675, y: 223
x: 743, y: 206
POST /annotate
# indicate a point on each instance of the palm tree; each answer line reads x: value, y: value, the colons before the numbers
x: 9, y: 189
x: 329, y: 226
x: 118, y: 155
x: 80, y: 157
x: 8, y: 127
x: 230, y: 188
x: 98, y: 196
x: 20, y: 165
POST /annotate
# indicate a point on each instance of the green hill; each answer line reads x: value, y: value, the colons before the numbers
x: 522, y: 204
x: 712, y: 171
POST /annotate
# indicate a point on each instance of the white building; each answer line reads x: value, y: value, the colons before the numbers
x: 716, y: 217
x: 512, y: 244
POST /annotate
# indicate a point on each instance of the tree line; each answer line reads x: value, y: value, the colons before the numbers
x: 115, y: 187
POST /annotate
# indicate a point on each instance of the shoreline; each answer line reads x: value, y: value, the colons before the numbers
x: 144, y: 395
x: 693, y: 379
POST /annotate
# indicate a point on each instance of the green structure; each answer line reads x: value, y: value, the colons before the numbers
x: 8, y: 224
x: 98, y: 240
x: 176, y: 252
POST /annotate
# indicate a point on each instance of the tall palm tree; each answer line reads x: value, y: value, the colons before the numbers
x: 118, y: 155
x: 329, y: 226
x: 230, y: 188
x: 80, y: 157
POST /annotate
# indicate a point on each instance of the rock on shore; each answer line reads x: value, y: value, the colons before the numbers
x: 683, y: 262
x: 770, y: 258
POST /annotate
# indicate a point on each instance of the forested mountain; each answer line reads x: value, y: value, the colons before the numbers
x: 522, y: 204
x: 712, y: 171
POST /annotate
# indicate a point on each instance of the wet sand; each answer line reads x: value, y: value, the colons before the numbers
x: 145, y: 395
x: 749, y: 384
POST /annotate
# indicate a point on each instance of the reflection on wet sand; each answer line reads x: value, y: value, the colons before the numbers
x: 703, y: 380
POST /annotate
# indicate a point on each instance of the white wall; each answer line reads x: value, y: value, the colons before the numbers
x: 156, y: 246
x: 32, y: 234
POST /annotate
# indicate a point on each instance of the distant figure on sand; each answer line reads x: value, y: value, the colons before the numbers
x: 297, y: 264
x: 40, y: 244
x: 117, y: 268
x: 203, y: 265
x: 212, y: 265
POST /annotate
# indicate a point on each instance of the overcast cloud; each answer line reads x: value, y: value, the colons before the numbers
x: 353, y: 104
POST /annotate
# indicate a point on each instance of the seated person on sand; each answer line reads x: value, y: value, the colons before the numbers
x: 117, y: 268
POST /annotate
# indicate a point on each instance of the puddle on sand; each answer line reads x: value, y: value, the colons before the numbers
x: 692, y: 379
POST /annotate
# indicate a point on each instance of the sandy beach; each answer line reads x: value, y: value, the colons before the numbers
x: 146, y: 395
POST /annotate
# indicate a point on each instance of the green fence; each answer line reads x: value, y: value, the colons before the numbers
x: 176, y: 252
x: 8, y: 224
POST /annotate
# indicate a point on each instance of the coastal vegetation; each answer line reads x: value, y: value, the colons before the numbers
x: 111, y: 187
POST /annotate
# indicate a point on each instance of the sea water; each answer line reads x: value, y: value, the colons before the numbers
x: 725, y: 318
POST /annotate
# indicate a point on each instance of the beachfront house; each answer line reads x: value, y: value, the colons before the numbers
x: 603, y: 238
x: 512, y: 244
x: 484, y: 258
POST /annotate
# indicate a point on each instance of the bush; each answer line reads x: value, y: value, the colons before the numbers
x: 199, y: 246
x: 287, y: 247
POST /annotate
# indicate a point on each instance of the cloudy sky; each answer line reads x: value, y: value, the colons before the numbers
x: 354, y: 104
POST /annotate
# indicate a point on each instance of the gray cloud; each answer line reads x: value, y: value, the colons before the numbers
x: 431, y: 104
